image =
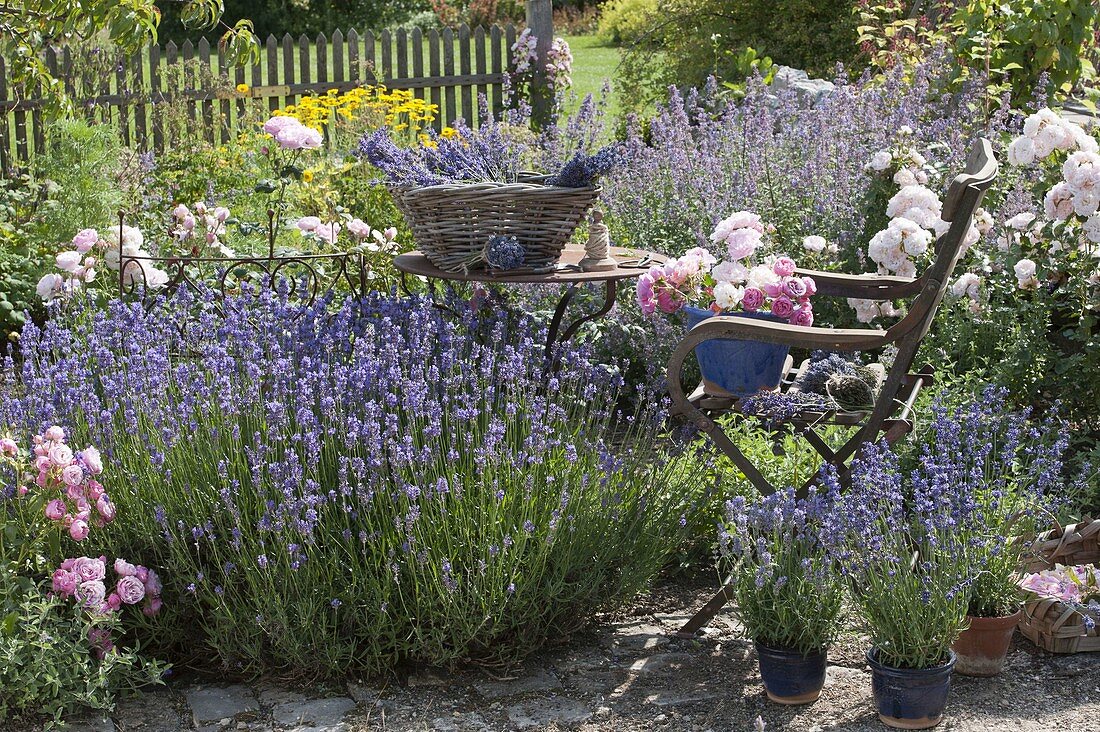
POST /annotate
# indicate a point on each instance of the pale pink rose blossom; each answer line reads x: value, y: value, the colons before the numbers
x: 130, y: 590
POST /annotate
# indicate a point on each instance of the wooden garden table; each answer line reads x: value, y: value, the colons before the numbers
x: 632, y: 263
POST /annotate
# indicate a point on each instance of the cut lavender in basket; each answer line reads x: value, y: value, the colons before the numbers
x: 492, y: 152
x: 583, y: 169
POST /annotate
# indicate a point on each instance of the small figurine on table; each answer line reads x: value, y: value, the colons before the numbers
x: 596, y: 256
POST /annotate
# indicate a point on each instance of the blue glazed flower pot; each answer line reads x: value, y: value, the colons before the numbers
x: 737, y: 367
x: 789, y: 677
x: 910, y: 698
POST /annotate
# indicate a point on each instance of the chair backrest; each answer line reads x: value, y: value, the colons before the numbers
x: 962, y: 201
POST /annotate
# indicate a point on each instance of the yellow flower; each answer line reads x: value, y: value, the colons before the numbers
x: 242, y: 88
x: 307, y: 176
x: 449, y: 132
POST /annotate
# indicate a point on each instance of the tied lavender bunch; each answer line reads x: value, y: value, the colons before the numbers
x: 582, y: 170
x: 505, y: 252
x: 787, y: 593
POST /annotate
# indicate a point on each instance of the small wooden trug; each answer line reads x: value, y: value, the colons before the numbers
x: 596, y: 255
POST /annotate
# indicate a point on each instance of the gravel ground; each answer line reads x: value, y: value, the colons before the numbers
x: 626, y: 675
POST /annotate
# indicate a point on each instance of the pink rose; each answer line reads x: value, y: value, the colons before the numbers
x: 100, y: 641
x: 308, y: 223
x: 68, y: 261
x: 142, y: 573
x: 85, y: 239
x: 742, y: 243
x: 76, y: 494
x: 105, y: 508
x: 92, y: 460
x: 93, y: 489
x: 42, y: 463
x: 802, y: 316
x: 130, y: 590
x: 91, y: 593
x: 55, y: 509
x: 64, y: 582
x: 153, y: 586
x: 646, y: 300
x: 794, y: 288
x: 811, y: 286
x: 55, y: 433
x: 153, y: 606
x: 61, y: 455
x: 784, y: 266
x: 8, y: 447
x: 666, y: 302
x: 752, y: 300
x: 359, y: 229
x: 78, y: 530
x: 275, y: 125
x: 68, y: 564
x: 113, y: 602
x: 90, y: 568
x: 72, y: 475
x: 221, y: 213
x: 782, y: 307
x: 773, y: 289
x: 124, y: 568
x: 328, y: 231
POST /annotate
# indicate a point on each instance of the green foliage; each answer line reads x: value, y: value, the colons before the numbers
x: 1016, y: 41
x: 27, y: 27
x: 81, y: 166
x: 684, y: 41
x: 20, y: 261
x: 1012, y: 42
x: 626, y: 21
x: 46, y: 667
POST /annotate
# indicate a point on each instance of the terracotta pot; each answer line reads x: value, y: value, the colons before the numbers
x: 982, y: 648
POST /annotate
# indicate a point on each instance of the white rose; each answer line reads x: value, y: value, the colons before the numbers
x: 49, y: 286
x: 1058, y: 202
x: 1020, y: 221
x: 732, y: 272
x: 728, y: 296
x: 1021, y: 152
x: 881, y: 160
x: 1092, y: 228
x: 814, y: 243
x: 904, y: 177
x: 967, y: 285
x: 1025, y: 272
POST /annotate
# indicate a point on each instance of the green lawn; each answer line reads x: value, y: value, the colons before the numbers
x: 593, y: 63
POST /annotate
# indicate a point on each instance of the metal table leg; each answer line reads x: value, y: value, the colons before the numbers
x: 555, y: 335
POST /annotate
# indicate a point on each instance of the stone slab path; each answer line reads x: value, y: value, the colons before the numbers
x: 628, y: 674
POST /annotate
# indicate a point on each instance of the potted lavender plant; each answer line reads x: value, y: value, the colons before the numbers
x: 908, y: 573
x: 1014, y: 469
x: 786, y: 593
x: 701, y: 287
x: 923, y: 547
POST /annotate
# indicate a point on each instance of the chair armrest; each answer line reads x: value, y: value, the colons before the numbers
x: 835, y: 339
x: 862, y: 286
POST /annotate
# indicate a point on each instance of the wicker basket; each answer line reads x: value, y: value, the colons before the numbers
x: 1051, y: 624
x: 452, y: 222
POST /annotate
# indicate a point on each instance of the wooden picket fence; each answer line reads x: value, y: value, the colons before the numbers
x: 449, y: 68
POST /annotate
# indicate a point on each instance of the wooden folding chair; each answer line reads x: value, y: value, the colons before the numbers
x: 890, y: 415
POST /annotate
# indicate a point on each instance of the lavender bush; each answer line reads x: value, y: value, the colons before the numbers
x: 350, y: 486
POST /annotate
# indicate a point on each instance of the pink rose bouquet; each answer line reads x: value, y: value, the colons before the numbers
x: 738, y: 284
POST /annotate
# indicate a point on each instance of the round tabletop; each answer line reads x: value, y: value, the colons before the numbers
x: 629, y: 263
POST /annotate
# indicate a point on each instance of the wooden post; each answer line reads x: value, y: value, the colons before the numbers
x: 540, y: 19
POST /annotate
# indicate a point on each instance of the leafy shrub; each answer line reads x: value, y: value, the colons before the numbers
x: 48, y: 669
x: 685, y: 41
x: 81, y: 161
x: 626, y: 21
x: 349, y: 489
